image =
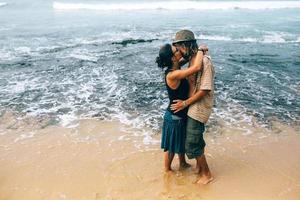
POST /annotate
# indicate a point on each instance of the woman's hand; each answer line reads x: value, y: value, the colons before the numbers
x: 203, y: 47
x: 178, y: 105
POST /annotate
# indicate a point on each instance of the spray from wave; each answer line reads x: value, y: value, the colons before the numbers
x: 269, y: 38
x: 3, y: 4
x: 179, y: 5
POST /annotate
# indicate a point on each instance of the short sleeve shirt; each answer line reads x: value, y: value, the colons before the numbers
x: 202, y: 109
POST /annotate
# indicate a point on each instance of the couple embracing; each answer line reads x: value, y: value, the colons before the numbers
x: 190, y: 93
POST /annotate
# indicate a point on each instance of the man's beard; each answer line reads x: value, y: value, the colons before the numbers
x: 186, y: 56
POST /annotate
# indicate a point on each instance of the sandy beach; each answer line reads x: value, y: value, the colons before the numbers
x: 100, y: 160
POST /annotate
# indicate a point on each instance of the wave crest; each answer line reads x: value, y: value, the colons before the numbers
x: 179, y: 5
x: 3, y: 4
x: 267, y: 39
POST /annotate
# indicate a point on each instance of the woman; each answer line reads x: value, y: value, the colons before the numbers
x: 174, y: 125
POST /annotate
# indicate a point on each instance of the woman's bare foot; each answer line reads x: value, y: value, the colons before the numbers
x: 184, y: 165
x: 205, y: 179
x: 168, y: 170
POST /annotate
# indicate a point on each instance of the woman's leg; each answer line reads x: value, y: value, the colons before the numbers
x: 168, y: 160
x: 182, y: 161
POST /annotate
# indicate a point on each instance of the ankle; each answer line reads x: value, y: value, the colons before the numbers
x: 182, y: 162
x: 207, y: 174
x: 168, y: 169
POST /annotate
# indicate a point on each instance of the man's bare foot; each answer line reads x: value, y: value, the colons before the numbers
x: 205, y: 179
x: 184, y: 165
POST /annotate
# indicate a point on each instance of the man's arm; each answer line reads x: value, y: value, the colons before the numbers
x: 206, y: 86
x: 179, y: 105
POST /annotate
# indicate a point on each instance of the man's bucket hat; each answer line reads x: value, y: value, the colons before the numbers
x: 184, y: 36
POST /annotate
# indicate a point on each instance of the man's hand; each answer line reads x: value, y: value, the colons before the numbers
x: 177, y: 105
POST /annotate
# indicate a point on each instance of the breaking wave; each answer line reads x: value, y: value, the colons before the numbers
x: 179, y: 5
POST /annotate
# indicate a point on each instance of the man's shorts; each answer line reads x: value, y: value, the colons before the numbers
x: 194, y: 143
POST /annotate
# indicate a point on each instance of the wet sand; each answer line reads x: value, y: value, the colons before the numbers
x: 99, y: 160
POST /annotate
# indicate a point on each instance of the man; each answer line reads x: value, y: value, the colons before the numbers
x: 200, y: 101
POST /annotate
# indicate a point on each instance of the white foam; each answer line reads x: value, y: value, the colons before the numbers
x: 248, y: 39
x: 179, y: 5
x: 23, y: 50
x: 6, y: 55
x: 84, y: 57
x: 69, y: 120
x: 25, y: 136
x: 214, y: 37
x: 4, y: 28
x: 267, y: 38
x: 3, y: 4
x: 274, y: 38
x: 149, y: 140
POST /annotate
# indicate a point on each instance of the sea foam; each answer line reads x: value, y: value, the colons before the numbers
x: 3, y: 4
x: 268, y: 38
x: 179, y: 5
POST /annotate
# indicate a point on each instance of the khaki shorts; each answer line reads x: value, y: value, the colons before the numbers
x: 194, y: 143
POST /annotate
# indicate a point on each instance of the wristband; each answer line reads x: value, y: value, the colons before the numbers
x: 184, y: 103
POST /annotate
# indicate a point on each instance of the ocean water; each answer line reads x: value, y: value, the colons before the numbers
x: 75, y: 59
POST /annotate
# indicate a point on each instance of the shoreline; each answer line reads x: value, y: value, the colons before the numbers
x: 98, y: 160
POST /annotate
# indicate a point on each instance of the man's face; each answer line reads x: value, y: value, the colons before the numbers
x: 184, y: 51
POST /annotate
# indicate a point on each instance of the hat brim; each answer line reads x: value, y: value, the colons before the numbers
x: 178, y: 41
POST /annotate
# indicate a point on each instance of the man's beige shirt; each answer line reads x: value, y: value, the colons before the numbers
x: 202, y: 109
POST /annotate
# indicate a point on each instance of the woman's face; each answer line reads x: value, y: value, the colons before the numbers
x: 183, y: 50
x: 176, y: 54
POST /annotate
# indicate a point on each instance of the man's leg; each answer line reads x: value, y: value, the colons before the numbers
x: 198, y: 166
x: 205, y: 174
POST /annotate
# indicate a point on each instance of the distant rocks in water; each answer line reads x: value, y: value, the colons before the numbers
x: 133, y: 41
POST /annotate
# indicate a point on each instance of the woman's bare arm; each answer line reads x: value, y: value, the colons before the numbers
x: 183, y: 73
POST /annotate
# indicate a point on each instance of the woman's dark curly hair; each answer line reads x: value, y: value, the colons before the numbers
x: 165, y: 57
